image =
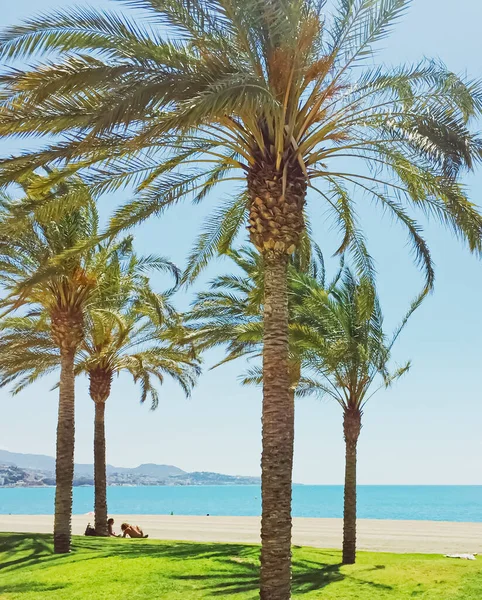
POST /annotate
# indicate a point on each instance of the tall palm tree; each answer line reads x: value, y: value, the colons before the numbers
x: 128, y: 329
x: 347, y: 350
x: 32, y: 240
x: 62, y: 292
x: 272, y: 95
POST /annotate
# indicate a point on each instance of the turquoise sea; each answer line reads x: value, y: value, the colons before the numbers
x: 433, y: 503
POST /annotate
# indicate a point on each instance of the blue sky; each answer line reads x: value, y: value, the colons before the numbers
x: 424, y: 430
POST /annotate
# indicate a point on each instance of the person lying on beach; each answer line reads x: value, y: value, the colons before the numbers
x: 110, y: 525
x: 133, y: 531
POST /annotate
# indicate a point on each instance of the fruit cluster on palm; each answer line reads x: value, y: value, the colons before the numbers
x: 274, y: 95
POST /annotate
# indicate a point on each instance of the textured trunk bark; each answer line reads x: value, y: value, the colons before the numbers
x: 352, y: 427
x: 64, y: 468
x: 100, y: 476
x: 278, y: 435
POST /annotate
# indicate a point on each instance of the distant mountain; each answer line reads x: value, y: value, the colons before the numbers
x: 149, y: 470
x: 28, y: 470
x: 46, y: 464
x: 38, y: 462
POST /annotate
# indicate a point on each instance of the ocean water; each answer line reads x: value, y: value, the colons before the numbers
x: 433, y: 503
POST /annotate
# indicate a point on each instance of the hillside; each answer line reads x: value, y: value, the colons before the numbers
x: 46, y: 464
x: 34, y: 470
x: 38, y: 462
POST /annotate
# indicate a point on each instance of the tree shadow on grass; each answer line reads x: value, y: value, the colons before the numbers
x: 29, y: 587
x: 13, y: 542
x: 308, y: 576
x: 174, y: 550
x: 21, y: 551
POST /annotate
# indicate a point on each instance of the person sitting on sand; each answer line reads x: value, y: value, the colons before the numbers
x: 110, y: 525
x: 133, y: 531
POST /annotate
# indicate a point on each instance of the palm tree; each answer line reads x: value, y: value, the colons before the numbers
x: 347, y: 350
x: 127, y: 330
x: 272, y: 95
x: 62, y: 292
x: 134, y: 340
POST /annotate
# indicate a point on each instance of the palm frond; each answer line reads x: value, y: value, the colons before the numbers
x: 218, y: 235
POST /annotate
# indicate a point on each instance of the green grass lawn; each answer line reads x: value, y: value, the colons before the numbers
x: 100, y: 569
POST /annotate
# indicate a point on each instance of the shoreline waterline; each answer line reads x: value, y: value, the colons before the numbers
x: 425, y: 537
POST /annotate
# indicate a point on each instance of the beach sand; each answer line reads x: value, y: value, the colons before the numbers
x: 376, y: 535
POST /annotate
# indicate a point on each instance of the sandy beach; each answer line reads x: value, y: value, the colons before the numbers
x: 377, y: 535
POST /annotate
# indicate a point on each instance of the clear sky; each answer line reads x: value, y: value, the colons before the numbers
x: 425, y: 430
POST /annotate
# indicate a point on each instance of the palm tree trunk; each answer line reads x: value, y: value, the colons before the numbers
x: 64, y: 469
x: 278, y: 436
x: 100, y: 476
x: 352, y: 427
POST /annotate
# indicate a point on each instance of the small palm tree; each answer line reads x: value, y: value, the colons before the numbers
x: 346, y: 349
x: 128, y: 328
x: 336, y: 338
x: 134, y: 341
x: 271, y: 95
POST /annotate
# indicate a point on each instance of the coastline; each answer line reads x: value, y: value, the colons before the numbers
x: 426, y: 537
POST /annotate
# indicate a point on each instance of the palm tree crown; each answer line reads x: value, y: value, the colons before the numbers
x: 136, y: 342
x: 273, y: 94
x: 30, y: 242
x: 348, y: 347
